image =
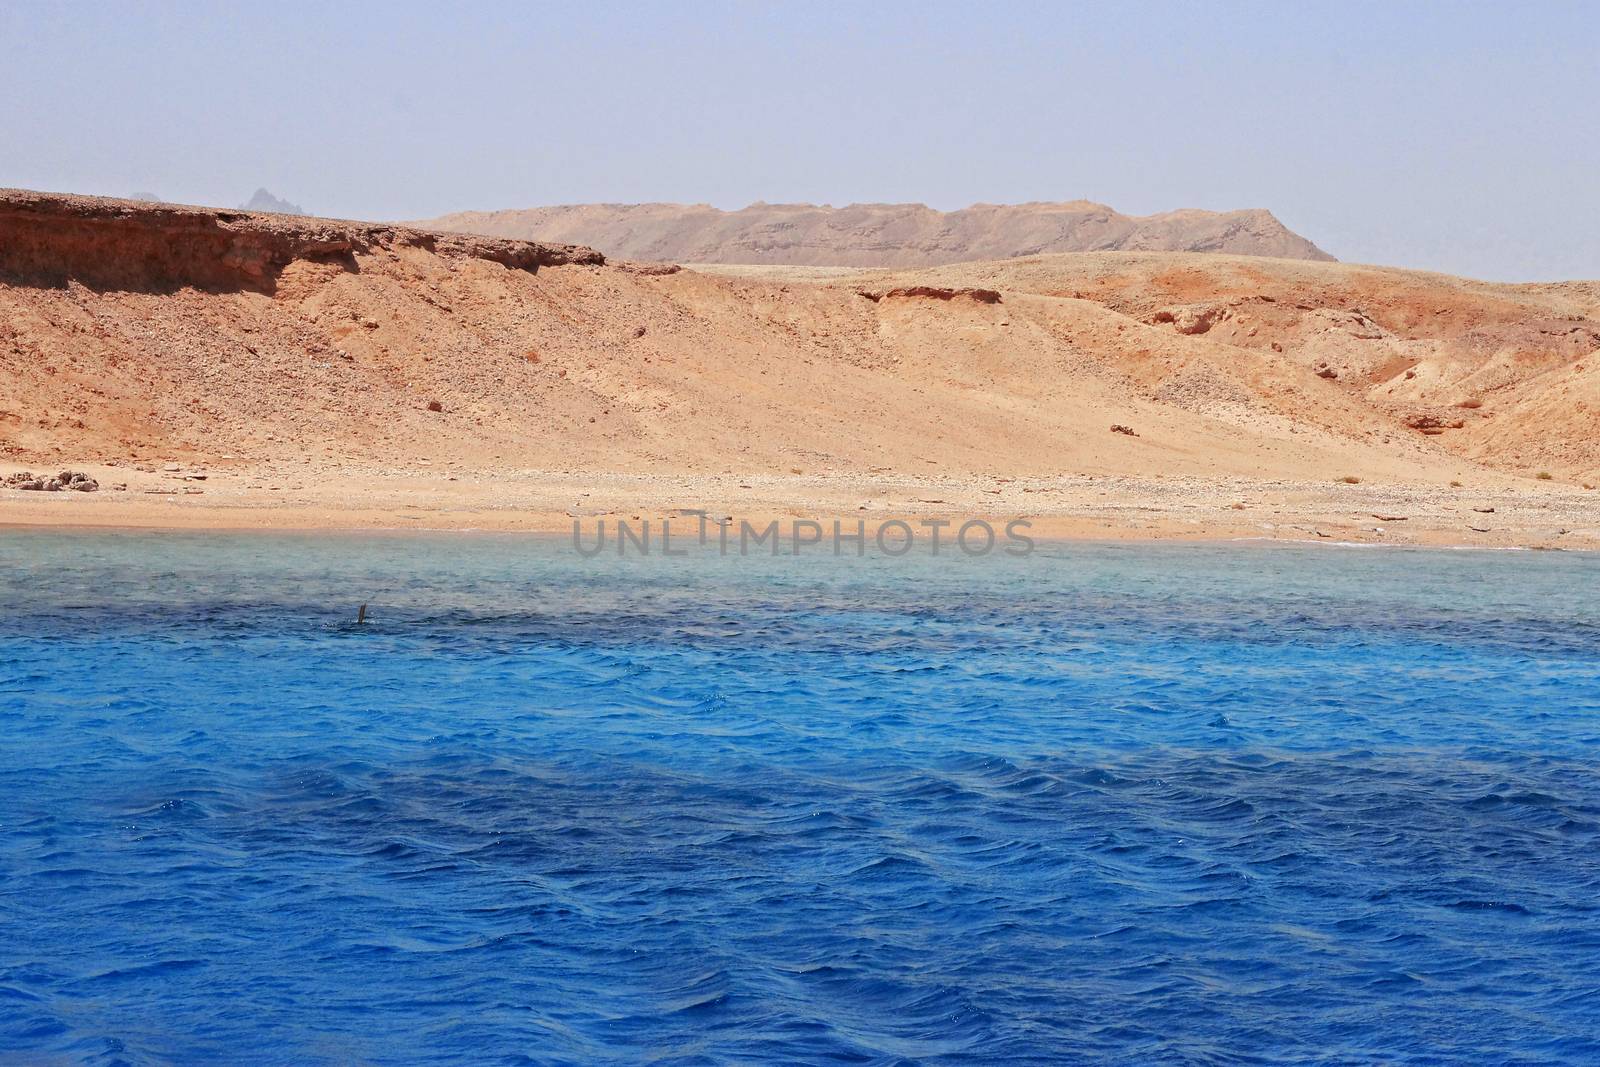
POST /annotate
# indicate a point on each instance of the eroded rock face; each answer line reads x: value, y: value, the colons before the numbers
x: 1191, y: 318
x: 656, y: 270
x: 931, y: 292
x: 1433, y: 425
x: 50, y: 239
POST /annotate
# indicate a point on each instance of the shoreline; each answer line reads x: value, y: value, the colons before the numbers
x: 1043, y: 539
x: 1504, y: 513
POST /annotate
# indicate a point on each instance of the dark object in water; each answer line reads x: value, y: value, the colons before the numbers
x: 361, y: 616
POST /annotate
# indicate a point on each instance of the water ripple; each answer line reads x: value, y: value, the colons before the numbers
x: 1221, y: 806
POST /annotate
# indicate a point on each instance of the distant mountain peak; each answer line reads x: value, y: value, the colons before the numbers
x: 265, y: 201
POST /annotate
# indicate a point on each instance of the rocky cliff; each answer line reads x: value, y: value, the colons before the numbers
x: 50, y: 239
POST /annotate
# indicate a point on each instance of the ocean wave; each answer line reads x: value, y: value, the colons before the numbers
x: 1174, y: 808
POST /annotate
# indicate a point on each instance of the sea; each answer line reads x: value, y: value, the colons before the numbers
x: 1104, y: 803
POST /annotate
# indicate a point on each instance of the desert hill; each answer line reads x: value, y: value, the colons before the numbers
x: 881, y: 235
x: 290, y: 352
x: 265, y: 203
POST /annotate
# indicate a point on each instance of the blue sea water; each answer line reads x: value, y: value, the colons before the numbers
x: 1197, y: 804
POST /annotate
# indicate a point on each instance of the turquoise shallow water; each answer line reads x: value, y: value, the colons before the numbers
x: 1132, y: 804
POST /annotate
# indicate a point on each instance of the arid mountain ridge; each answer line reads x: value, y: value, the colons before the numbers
x: 882, y: 235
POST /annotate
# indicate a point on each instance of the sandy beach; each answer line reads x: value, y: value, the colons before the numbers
x: 1499, y: 515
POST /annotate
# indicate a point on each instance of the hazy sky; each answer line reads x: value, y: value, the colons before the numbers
x: 1454, y: 136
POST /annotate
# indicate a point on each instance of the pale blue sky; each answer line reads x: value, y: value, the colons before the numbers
x: 1454, y: 136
